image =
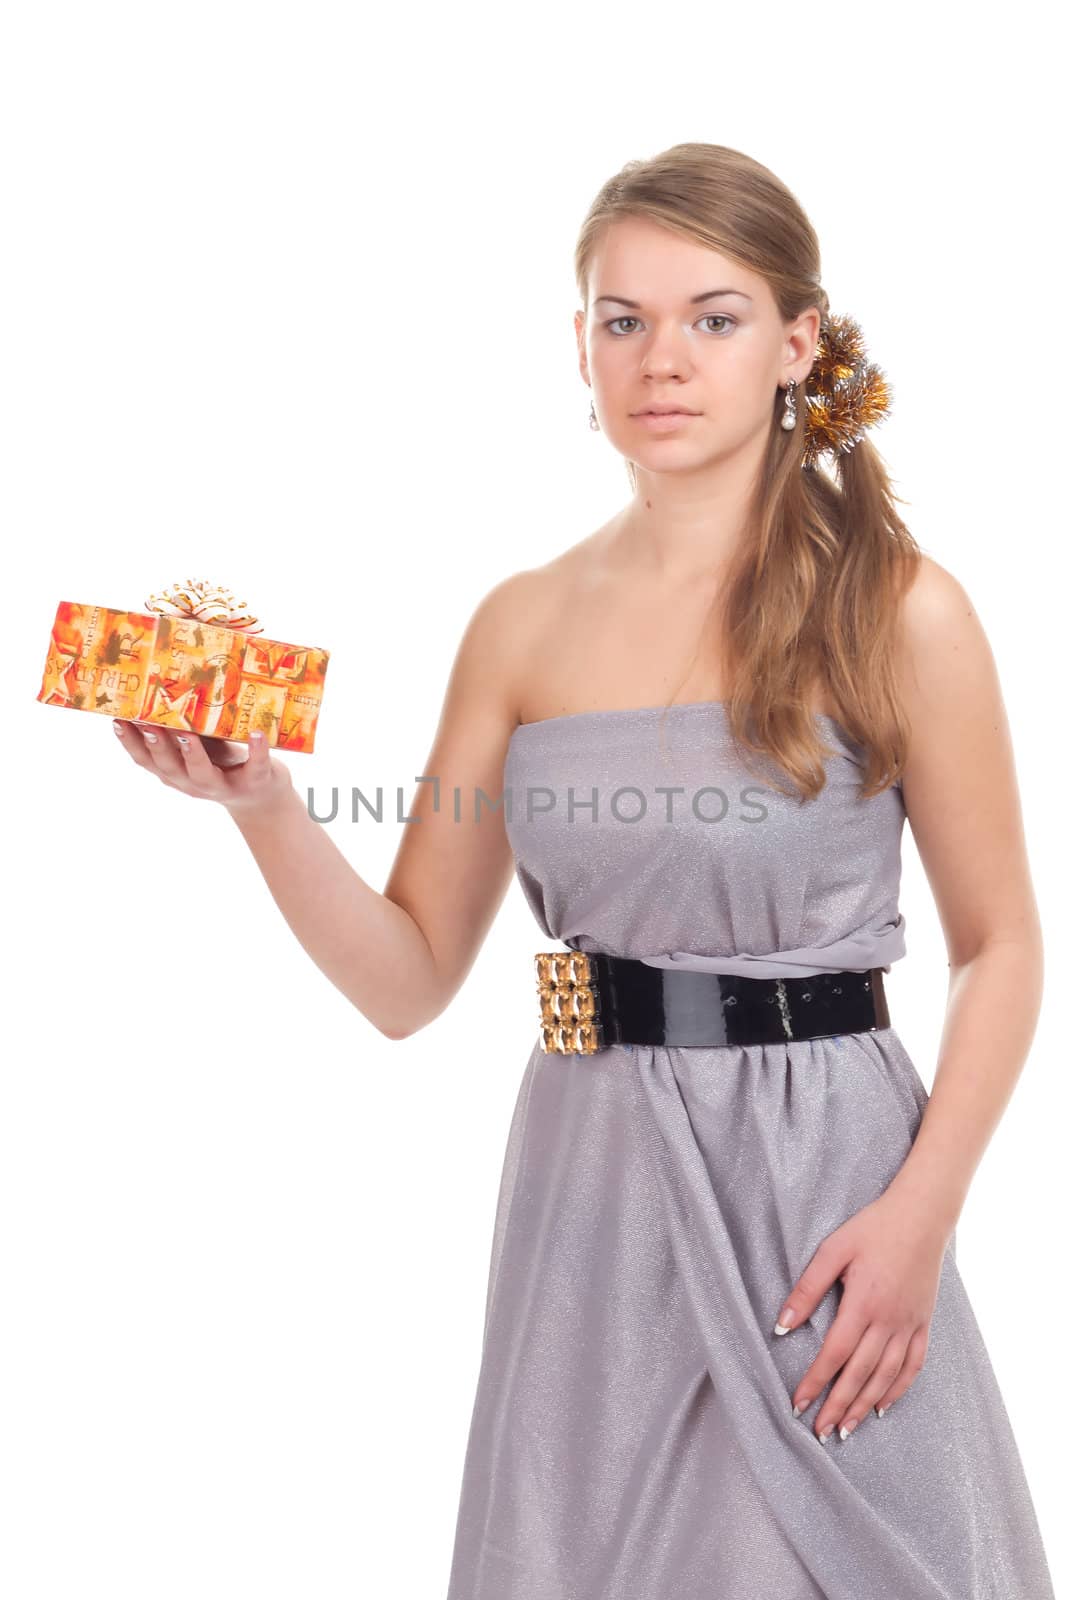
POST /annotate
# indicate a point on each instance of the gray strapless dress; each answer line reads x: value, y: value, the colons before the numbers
x: 632, y: 1435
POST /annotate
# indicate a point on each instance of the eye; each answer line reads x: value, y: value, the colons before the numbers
x: 711, y: 316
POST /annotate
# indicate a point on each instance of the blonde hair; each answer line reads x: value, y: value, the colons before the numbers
x: 812, y: 598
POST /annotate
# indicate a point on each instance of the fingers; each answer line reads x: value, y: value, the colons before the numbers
x: 178, y: 759
x: 205, y: 778
x: 132, y: 736
x: 163, y: 752
x: 914, y: 1361
x: 257, y: 768
x: 225, y: 752
x: 846, y: 1332
x: 844, y: 1407
x: 873, y: 1371
x: 874, y: 1348
x: 821, y: 1272
x: 252, y: 783
x: 259, y: 783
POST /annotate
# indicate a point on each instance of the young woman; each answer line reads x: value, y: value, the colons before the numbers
x: 727, y: 1350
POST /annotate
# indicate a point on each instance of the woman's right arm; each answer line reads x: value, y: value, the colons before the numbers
x: 399, y: 956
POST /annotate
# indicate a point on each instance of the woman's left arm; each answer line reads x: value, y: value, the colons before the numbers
x: 963, y: 805
x: 962, y: 799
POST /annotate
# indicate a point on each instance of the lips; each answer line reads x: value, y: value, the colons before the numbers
x: 663, y: 421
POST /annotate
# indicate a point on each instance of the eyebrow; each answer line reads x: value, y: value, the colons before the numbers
x: 698, y: 299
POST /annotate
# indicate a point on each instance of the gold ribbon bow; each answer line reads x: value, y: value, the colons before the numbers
x: 205, y: 602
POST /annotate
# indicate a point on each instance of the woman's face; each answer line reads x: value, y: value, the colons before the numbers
x: 661, y: 331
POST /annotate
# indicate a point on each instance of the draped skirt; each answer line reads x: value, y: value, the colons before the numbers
x: 632, y: 1435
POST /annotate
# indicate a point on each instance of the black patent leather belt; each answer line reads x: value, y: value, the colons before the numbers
x: 590, y: 1000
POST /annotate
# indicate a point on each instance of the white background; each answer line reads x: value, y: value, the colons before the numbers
x: 287, y: 300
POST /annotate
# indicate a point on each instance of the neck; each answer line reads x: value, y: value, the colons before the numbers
x: 682, y: 527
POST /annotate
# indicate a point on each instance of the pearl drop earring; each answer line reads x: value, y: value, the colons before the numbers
x: 789, y: 415
x: 593, y: 423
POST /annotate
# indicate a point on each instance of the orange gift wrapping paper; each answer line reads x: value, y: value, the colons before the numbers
x: 181, y: 672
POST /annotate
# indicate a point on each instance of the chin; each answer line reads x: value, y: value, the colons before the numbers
x: 673, y: 455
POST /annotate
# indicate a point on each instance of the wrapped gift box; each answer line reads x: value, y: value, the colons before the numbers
x: 179, y: 671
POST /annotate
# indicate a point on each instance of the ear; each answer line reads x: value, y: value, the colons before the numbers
x: 801, y: 342
x: 583, y: 361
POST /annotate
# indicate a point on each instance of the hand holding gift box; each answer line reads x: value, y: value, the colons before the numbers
x: 194, y: 660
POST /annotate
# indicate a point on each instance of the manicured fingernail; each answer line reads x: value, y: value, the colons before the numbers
x: 824, y: 1436
x: 883, y: 1409
x: 182, y: 739
x: 786, y: 1321
x: 846, y: 1428
x: 150, y: 737
x: 257, y: 736
x: 119, y: 729
x: 800, y: 1407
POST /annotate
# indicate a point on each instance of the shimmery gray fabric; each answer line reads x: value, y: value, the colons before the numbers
x: 632, y: 1435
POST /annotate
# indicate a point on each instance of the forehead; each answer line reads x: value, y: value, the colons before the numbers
x: 643, y: 261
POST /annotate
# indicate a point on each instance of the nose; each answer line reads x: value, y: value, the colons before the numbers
x: 667, y: 353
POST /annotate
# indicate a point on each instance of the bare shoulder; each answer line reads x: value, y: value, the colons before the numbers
x: 959, y: 781
x: 566, y: 575
x: 959, y: 743
x: 510, y: 626
x: 518, y: 613
x: 944, y: 654
x: 935, y: 597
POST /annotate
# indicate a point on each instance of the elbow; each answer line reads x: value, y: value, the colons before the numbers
x: 404, y: 1031
x: 429, y: 1008
x: 422, y: 1009
x: 408, y: 1031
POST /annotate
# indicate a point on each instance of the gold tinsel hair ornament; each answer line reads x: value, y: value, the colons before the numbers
x: 845, y: 394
